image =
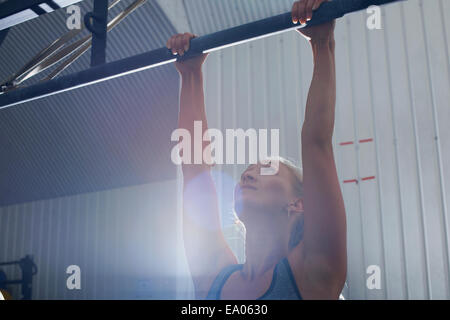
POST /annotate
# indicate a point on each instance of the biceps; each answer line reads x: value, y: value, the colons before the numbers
x: 207, y: 253
x: 200, y: 204
x: 203, y: 238
x: 325, y: 226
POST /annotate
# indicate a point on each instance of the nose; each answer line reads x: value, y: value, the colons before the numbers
x: 248, y: 177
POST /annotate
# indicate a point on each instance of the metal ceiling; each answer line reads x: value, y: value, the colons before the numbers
x: 111, y: 134
x: 104, y: 136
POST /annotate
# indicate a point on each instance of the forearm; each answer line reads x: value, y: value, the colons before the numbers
x: 192, y: 106
x: 325, y: 219
x: 320, y: 106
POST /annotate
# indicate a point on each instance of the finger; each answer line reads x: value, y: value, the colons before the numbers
x: 184, y: 43
x: 187, y: 39
x: 308, y: 9
x: 301, y: 11
x: 179, y: 44
x: 295, y: 12
x: 172, y: 44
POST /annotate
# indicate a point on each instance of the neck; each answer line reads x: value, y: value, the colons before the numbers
x: 264, y: 248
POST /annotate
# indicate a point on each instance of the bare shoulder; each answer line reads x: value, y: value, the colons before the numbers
x: 204, y: 282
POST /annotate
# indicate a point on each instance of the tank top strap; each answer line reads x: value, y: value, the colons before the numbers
x: 285, y: 261
x: 219, y: 281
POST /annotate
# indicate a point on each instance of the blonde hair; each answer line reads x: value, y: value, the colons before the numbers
x: 297, y: 183
x: 297, y: 174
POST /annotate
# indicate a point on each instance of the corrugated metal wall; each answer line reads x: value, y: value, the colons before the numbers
x: 127, y: 243
x: 124, y: 241
x: 391, y: 132
x: 392, y: 119
x: 96, y: 137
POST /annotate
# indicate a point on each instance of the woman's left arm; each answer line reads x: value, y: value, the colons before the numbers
x: 324, y: 251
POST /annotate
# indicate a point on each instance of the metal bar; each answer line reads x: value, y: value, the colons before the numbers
x: 48, y: 56
x: 11, y: 7
x: 15, y: 12
x: 27, y: 71
x: 81, y: 47
x: 60, y: 68
x: 9, y: 282
x: 215, y: 41
x: 100, y: 19
x: 9, y: 263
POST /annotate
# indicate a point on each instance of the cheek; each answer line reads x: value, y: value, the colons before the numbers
x: 275, y: 187
x: 275, y: 192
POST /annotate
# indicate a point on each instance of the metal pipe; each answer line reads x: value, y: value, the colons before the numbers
x: 76, y: 49
x: 9, y: 282
x: 98, y: 29
x: 9, y: 263
x: 50, y: 55
x: 215, y: 41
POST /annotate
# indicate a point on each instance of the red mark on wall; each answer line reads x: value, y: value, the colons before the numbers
x: 346, y: 143
x: 362, y: 179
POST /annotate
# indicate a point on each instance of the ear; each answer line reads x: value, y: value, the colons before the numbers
x: 296, y: 206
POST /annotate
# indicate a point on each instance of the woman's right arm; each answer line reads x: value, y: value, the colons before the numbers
x: 206, y: 249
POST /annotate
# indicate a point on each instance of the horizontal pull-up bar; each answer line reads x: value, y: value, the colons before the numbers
x: 214, y: 41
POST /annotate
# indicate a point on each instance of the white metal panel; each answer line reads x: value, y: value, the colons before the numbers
x: 429, y: 146
x: 120, y: 238
x: 393, y: 87
x: 385, y: 130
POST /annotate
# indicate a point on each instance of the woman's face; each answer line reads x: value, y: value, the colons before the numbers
x: 263, y: 193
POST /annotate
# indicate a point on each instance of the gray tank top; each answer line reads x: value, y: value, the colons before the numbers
x: 282, y: 287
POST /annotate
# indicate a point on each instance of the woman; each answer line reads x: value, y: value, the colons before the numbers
x: 295, y: 224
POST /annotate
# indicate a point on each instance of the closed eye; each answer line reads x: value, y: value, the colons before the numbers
x: 249, y: 168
